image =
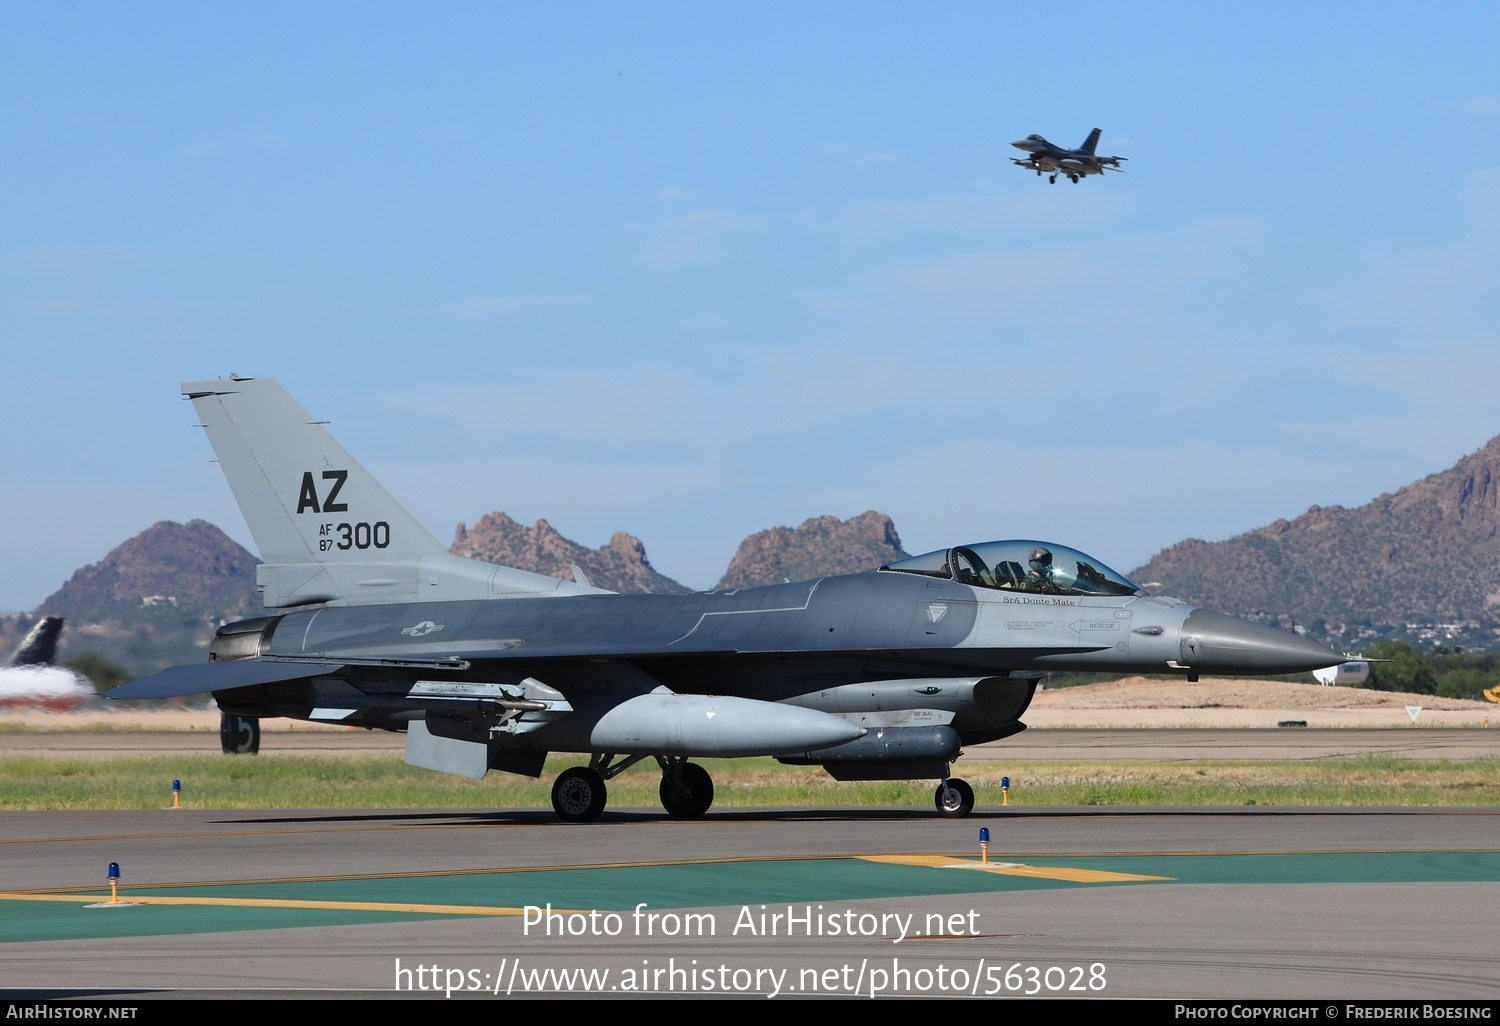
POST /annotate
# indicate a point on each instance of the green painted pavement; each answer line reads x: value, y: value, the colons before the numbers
x: 692, y: 885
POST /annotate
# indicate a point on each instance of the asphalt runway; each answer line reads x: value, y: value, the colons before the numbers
x: 1173, y: 903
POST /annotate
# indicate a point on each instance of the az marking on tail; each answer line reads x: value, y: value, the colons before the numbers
x: 308, y: 499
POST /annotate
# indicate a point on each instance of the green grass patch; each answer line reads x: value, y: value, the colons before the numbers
x: 320, y: 782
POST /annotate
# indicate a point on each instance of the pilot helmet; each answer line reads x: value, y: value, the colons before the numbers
x: 1041, y: 558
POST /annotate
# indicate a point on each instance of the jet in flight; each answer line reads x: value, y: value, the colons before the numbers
x: 881, y: 675
x: 31, y: 681
x: 1049, y: 157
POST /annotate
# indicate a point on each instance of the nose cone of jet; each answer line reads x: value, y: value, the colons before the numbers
x: 1215, y: 643
x: 1024, y: 144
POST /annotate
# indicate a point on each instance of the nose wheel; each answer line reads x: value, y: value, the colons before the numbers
x: 954, y: 799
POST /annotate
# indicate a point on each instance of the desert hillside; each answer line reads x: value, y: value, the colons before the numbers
x: 1141, y: 693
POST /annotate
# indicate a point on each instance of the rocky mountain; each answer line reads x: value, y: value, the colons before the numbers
x: 619, y: 566
x: 821, y: 546
x: 155, y: 599
x: 1429, y: 552
x: 183, y: 571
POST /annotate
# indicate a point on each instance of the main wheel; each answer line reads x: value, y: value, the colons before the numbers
x: 689, y: 795
x: 239, y: 735
x: 579, y: 795
x: 955, y: 800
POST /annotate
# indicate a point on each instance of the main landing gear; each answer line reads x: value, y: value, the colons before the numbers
x: 580, y: 794
x: 687, y: 791
x: 954, y: 798
x: 239, y: 735
x: 686, y: 788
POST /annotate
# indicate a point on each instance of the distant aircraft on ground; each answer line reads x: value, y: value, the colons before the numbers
x: 1354, y: 671
x: 1049, y: 157
x: 882, y: 675
x: 31, y: 681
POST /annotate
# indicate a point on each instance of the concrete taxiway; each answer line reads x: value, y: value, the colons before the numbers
x: 1162, y: 903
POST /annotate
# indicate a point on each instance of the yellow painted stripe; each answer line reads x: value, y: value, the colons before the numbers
x: 930, y: 861
x: 337, y: 906
x: 1011, y: 869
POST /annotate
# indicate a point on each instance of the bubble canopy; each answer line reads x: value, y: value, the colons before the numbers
x: 1020, y: 565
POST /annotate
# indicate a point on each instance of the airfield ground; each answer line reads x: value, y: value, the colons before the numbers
x: 246, y: 903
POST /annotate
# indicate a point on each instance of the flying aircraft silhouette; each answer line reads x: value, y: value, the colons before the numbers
x: 1044, y: 157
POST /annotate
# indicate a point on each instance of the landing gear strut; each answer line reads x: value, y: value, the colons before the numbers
x: 686, y: 788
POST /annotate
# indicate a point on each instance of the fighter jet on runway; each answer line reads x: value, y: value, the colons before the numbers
x: 1076, y: 164
x: 883, y: 675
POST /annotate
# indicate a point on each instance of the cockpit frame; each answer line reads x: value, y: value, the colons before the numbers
x: 1020, y: 565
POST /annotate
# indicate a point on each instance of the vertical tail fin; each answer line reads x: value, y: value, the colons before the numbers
x: 1090, y: 143
x: 326, y: 529
x: 39, y: 647
x: 304, y: 498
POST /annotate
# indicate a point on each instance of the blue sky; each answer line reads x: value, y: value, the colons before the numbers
x: 695, y: 270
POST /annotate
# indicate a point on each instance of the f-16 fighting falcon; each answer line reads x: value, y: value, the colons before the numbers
x: 1049, y: 157
x: 882, y: 675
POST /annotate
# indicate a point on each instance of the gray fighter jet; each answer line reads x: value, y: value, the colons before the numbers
x: 1049, y: 157
x: 883, y: 675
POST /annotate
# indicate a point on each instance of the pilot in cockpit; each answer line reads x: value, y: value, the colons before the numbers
x: 1039, y: 576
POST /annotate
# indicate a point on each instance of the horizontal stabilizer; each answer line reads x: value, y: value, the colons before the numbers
x: 199, y: 678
